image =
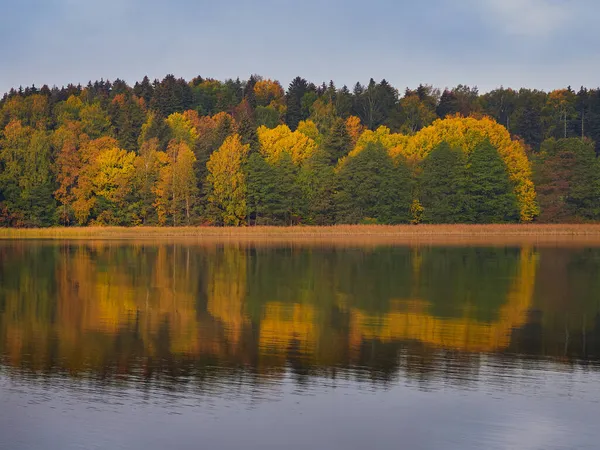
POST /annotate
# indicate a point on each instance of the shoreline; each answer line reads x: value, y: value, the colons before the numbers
x: 502, y: 234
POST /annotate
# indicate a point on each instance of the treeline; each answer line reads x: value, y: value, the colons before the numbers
x: 173, y: 152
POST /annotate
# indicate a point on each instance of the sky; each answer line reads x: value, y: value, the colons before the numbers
x: 543, y: 44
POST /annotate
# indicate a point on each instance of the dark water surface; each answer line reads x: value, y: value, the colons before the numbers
x: 121, y: 345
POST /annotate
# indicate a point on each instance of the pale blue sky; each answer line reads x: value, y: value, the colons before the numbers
x: 515, y: 43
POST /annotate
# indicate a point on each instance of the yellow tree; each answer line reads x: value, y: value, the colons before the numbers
x: 84, y: 167
x: 67, y: 140
x: 381, y: 135
x: 227, y: 181
x: 355, y: 128
x: 176, y: 190
x: 183, y: 128
x: 269, y: 93
x: 309, y: 129
x: 104, y: 186
x: 147, y: 169
x: 273, y: 142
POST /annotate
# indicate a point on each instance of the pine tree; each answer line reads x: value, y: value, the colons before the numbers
x: 294, y: 114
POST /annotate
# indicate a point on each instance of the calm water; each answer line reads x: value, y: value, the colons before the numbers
x: 115, y: 345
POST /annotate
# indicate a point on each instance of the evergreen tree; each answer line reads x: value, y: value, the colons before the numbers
x: 583, y: 200
x: 316, y: 182
x: 263, y: 196
x: 442, y: 185
x: 171, y: 95
x: 490, y: 193
x: 371, y: 187
x: 289, y: 194
x: 294, y: 114
x: 246, y: 124
x: 337, y: 142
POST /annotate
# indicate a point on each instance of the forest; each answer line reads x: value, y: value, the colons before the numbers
x: 173, y: 152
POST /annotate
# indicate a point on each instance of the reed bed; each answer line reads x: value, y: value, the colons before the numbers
x: 348, y: 233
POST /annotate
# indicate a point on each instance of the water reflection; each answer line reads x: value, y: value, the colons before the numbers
x: 174, y: 312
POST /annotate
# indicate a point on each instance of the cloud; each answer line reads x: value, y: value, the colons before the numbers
x: 535, y: 18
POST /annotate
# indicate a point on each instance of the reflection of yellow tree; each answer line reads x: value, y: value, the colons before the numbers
x: 110, y: 300
x: 227, y: 291
x: 284, y: 326
x: 410, y: 320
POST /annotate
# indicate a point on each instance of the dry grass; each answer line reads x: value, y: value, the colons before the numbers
x: 375, y: 234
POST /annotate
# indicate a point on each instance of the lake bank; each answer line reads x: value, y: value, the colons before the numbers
x: 519, y: 233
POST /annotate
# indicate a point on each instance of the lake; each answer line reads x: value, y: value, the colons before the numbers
x: 224, y: 345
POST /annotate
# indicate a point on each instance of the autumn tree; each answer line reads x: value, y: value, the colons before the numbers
x: 148, y: 164
x: 176, y: 188
x: 26, y: 183
x: 227, y: 182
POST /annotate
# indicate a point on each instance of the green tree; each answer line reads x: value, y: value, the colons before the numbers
x: 296, y: 91
x: 337, y: 142
x: 289, y: 194
x: 371, y: 187
x: 491, y: 197
x: 263, y: 196
x: 442, y: 185
x: 316, y: 182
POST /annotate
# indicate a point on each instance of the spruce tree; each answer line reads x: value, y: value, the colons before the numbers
x: 490, y: 193
x: 442, y: 185
x: 288, y: 190
x: 263, y: 196
x: 371, y: 187
x: 316, y: 181
x: 337, y: 142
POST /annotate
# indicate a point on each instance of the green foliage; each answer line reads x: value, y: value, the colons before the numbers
x: 337, y: 142
x: 263, y: 196
x: 316, y: 180
x: 490, y: 194
x: 442, y: 185
x: 370, y: 185
x: 26, y: 184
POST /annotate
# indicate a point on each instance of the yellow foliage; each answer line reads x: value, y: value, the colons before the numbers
x: 108, y: 173
x: 281, y: 139
x: 182, y: 128
x: 267, y: 92
x: 309, y: 129
x: 391, y: 141
x: 176, y: 186
x: 354, y: 127
x: 228, y: 181
x: 467, y: 133
x: 114, y: 170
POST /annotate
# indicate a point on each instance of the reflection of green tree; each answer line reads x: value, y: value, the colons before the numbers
x: 328, y: 277
x: 567, y: 304
x: 467, y: 282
